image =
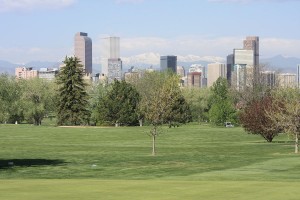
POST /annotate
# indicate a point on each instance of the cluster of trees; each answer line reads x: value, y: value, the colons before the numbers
x: 154, y: 99
x: 29, y: 100
x: 277, y: 111
x: 269, y: 110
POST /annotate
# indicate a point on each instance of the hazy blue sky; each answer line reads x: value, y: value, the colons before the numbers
x: 44, y: 29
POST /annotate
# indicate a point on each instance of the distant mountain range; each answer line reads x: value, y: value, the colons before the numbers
x: 280, y: 63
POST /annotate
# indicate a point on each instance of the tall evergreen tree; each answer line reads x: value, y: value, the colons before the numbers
x: 73, y: 98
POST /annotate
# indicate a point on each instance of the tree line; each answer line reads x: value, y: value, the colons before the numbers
x: 154, y: 99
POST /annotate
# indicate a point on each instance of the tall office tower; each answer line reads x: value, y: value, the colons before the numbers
x: 199, y: 68
x: 168, y: 62
x: 110, y: 50
x: 194, y: 79
x: 83, y: 51
x: 239, y: 77
x: 230, y: 67
x: 252, y: 43
x: 114, y: 70
x: 298, y: 76
x: 243, y: 72
x: 214, y: 71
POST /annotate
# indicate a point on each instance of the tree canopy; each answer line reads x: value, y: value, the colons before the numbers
x: 222, y: 107
x: 119, y: 105
x: 255, y: 120
x: 161, y: 101
x: 37, y: 99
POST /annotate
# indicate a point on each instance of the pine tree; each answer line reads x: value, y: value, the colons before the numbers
x: 73, y: 98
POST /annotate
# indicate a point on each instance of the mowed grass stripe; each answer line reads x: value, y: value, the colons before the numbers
x: 150, y: 189
x: 189, y: 152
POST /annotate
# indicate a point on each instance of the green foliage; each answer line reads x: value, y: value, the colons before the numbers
x: 119, y: 105
x: 72, y: 107
x: 37, y: 99
x: 222, y: 108
x: 161, y: 102
x: 98, y: 93
x: 285, y: 112
x: 11, y: 109
x: 198, y: 101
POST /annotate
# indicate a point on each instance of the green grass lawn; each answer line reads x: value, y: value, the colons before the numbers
x: 192, y: 162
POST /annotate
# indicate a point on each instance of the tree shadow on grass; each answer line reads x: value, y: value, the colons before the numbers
x: 10, y: 163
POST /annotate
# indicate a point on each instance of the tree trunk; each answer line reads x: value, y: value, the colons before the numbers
x: 296, y: 143
x: 153, y: 145
x: 141, y: 122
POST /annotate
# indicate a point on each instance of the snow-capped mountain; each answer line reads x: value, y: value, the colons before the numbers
x: 154, y: 59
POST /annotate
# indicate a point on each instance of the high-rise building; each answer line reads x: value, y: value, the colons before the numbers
x: 230, y: 67
x: 243, y: 64
x: 239, y: 77
x: 25, y: 73
x: 194, y: 79
x: 168, y: 62
x: 83, y: 51
x: 243, y: 72
x: 214, y: 71
x: 110, y: 50
x: 202, y: 70
x: 252, y: 43
x: 244, y: 57
x: 114, y: 70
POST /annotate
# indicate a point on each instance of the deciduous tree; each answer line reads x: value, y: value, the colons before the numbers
x: 11, y: 109
x: 255, y: 120
x: 160, y: 96
x: 198, y: 101
x: 285, y: 112
x: 37, y: 99
x: 222, y: 107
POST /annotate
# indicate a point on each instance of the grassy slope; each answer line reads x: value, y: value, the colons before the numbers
x: 192, y: 161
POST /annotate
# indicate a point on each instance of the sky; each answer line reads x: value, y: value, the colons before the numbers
x: 43, y: 30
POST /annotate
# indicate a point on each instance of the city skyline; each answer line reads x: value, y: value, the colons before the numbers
x: 43, y: 30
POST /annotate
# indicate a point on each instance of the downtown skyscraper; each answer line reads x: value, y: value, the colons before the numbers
x: 168, y: 63
x: 83, y: 51
x: 110, y: 59
x: 252, y: 43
